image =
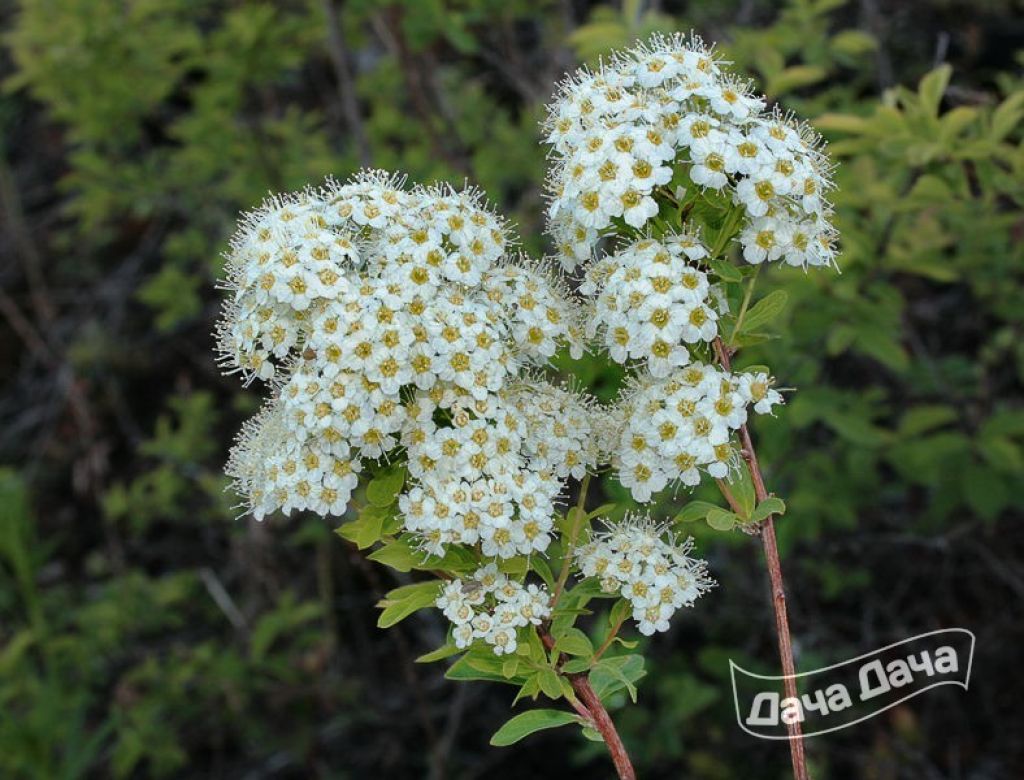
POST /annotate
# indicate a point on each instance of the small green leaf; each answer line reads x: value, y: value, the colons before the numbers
x: 574, y: 642
x: 576, y: 665
x: 613, y: 674
x: 462, y: 670
x: 529, y: 688
x: 770, y: 506
x: 741, y: 485
x: 367, y: 528
x: 1007, y: 116
x: 444, y: 651
x: 620, y: 610
x: 601, y: 510
x: 843, y: 123
x: 384, y: 488
x: 794, y: 77
x: 721, y: 519
x: 527, y: 723
x: 923, y: 418
x: 933, y: 87
x: 549, y: 683
x: 695, y: 510
x: 402, y: 555
x: 852, y: 43
x: 764, y: 311
x: 725, y: 270
x: 402, y: 602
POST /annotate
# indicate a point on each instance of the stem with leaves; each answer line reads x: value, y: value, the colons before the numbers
x: 771, y: 554
x: 591, y: 709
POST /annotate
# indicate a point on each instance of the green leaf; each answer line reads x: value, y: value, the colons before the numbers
x: 933, y: 87
x: 444, y: 651
x: 856, y: 429
x: 725, y: 270
x: 741, y: 486
x: 1007, y: 116
x: 402, y: 602
x: 722, y: 519
x: 924, y: 418
x: 986, y: 491
x: 529, y: 688
x: 463, y: 670
x: 764, y: 311
x: 843, y: 123
x: 384, y: 488
x: 510, y: 667
x: 610, y: 675
x: 402, y: 555
x: 576, y: 665
x: 482, y: 658
x: 601, y: 510
x: 793, y: 78
x: 399, y: 555
x: 695, y: 510
x: 367, y: 528
x: 620, y: 610
x: 517, y: 566
x: 527, y: 723
x: 549, y: 684
x: 852, y: 43
x: 770, y: 506
x: 574, y: 642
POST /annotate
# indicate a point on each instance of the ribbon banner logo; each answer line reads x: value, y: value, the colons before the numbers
x: 846, y: 693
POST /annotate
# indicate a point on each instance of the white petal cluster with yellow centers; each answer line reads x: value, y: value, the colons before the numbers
x: 489, y: 471
x: 351, y: 299
x: 273, y: 469
x: 492, y: 607
x: 650, y: 301
x: 671, y: 429
x: 666, y: 112
x: 647, y: 566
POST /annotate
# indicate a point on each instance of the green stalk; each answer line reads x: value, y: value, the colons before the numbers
x: 745, y: 305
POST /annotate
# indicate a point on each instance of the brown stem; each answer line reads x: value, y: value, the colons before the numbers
x: 771, y: 554
x: 592, y: 710
x: 603, y: 723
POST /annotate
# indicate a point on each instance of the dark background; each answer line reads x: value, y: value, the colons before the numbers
x: 147, y: 632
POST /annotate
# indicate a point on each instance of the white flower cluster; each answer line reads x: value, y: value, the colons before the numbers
x: 354, y: 299
x: 489, y: 471
x: 621, y: 135
x: 649, y: 302
x: 673, y: 427
x: 492, y: 607
x: 273, y: 469
x: 649, y: 568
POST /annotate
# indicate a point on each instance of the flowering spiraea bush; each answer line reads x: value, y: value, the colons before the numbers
x: 406, y: 351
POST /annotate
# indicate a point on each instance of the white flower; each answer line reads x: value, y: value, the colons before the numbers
x: 649, y: 301
x: 620, y: 134
x: 373, y: 306
x: 667, y: 430
x: 491, y: 607
x: 642, y: 562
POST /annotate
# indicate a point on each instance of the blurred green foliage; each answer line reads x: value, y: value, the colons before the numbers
x: 145, y: 632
